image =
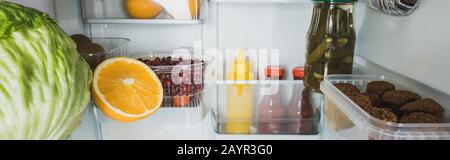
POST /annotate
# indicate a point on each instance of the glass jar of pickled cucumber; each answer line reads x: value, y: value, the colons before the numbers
x: 330, y: 41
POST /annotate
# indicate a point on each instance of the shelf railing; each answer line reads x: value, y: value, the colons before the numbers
x: 143, y: 21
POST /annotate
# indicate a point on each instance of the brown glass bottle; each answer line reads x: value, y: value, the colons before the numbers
x: 330, y: 42
x: 300, y: 112
x: 271, y: 110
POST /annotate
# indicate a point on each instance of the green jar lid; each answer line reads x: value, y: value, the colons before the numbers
x: 335, y: 1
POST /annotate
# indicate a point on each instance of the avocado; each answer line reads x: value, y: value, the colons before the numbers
x: 80, y: 39
x: 90, y: 48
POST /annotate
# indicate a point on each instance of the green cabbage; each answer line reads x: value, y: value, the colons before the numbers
x: 44, y: 83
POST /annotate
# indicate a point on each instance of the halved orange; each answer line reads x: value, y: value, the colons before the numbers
x: 126, y: 89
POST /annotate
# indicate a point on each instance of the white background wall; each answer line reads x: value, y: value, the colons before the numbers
x: 281, y: 26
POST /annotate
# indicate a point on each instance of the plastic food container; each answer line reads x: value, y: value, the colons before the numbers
x: 288, y: 122
x: 166, y: 123
x: 346, y: 120
x: 170, y: 120
x: 114, y: 47
x: 182, y: 78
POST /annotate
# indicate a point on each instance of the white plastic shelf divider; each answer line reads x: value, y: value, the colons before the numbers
x: 143, y: 21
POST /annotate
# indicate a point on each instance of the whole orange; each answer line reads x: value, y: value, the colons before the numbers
x: 143, y: 9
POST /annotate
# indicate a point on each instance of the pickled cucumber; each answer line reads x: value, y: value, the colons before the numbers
x: 330, y: 44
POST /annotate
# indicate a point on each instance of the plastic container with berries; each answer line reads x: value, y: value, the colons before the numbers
x: 346, y: 117
x: 182, y: 78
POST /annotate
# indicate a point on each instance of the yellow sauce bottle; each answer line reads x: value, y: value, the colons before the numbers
x: 239, y: 112
x: 194, y: 8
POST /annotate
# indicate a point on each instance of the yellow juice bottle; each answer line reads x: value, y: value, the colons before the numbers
x: 239, y: 111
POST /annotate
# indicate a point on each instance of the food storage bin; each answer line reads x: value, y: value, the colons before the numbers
x: 345, y: 120
x: 289, y: 121
x: 182, y: 110
x: 184, y: 123
x: 181, y: 77
x: 113, y: 47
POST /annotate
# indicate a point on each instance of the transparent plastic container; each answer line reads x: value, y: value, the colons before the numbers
x: 113, y: 47
x: 114, y: 11
x: 182, y: 81
x: 170, y: 120
x: 218, y: 101
x: 166, y: 123
x: 346, y: 120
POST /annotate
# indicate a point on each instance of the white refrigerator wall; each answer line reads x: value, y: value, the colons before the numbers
x: 417, y: 46
x: 266, y: 26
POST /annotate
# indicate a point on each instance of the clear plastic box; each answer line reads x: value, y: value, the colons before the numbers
x: 167, y: 123
x: 346, y: 120
x: 182, y: 81
x: 113, y: 47
x: 286, y: 124
x: 170, y: 120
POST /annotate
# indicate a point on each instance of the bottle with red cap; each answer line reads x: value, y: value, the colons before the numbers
x: 299, y: 73
x: 271, y: 110
x: 300, y: 112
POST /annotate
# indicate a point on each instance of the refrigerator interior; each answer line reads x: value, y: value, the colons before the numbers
x: 414, y: 46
